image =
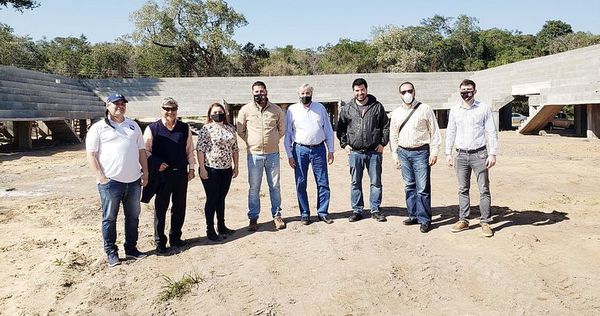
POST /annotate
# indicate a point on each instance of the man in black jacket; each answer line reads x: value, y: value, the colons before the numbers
x: 363, y: 128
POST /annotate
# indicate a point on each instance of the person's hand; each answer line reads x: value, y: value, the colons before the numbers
x: 432, y: 160
x: 292, y: 162
x: 191, y: 174
x: 235, y: 172
x: 348, y: 149
x: 330, y: 158
x: 449, y: 161
x: 103, y: 180
x: 490, y: 161
x: 144, y: 179
x: 203, y: 173
x: 379, y: 149
x: 163, y: 166
x: 397, y: 163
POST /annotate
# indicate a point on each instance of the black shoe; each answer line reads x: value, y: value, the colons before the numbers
x: 135, y: 254
x: 378, y: 217
x: 178, y: 243
x: 410, y: 221
x: 325, y: 218
x: 355, y: 217
x: 161, y: 250
x: 305, y: 220
x: 225, y: 231
x: 425, y: 227
x: 212, y: 235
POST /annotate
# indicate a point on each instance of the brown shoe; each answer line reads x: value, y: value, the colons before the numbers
x: 486, y: 230
x: 459, y: 226
x: 253, y: 226
x: 279, y: 223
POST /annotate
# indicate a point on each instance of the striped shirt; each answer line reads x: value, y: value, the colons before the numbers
x: 420, y: 129
x: 470, y: 128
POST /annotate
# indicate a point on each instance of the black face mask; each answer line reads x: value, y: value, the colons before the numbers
x: 219, y: 117
x: 466, y: 95
x: 306, y: 99
x: 259, y: 98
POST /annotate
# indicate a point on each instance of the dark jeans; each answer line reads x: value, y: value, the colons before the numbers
x: 174, y: 188
x: 358, y: 161
x: 465, y: 163
x: 216, y: 188
x: 112, y: 194
x: 317, y: 156
x: 416, y: 174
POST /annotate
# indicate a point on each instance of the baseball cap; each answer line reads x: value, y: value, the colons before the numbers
x: 116, y: 97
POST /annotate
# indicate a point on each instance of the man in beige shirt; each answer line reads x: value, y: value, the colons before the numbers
x: 261, y: 124
x: 415, y: 143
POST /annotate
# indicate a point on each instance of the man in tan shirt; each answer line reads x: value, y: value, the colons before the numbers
x: 261, y: 124
x: 415, y: 148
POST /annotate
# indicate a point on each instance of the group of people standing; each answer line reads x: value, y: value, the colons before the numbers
x: 162, y: 161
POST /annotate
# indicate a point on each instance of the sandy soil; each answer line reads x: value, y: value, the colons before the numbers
x: 544, y: 258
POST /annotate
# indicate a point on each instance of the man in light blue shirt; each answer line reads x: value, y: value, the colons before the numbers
x: 471, y: 128
x: 309, y: 140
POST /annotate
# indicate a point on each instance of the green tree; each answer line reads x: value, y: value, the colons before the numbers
x: 551, y: 30
x: 155, y: 61
x: 20, y: 5
x: 249, y: 59
x: 465, y: 36
x: 63, y: 55
x: 200, y: 32
x: 404, y: 49
x: 288, y: 61
x: 18, y: 51
x: 107, y: 60
x: 571, y: 41
x: 347, y: 56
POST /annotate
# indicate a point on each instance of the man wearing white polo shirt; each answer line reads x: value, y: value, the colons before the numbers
x: 117, y: 156
x: 309, y: 140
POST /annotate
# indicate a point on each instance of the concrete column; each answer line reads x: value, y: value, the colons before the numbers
x: 580, y: 121
x: 593, y: 121
x: 82, y: 129
x: 22, y: 131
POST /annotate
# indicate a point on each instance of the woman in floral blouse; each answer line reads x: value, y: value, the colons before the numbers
x: 218, y: 156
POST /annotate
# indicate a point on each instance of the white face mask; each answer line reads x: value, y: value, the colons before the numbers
x: 407, y: 98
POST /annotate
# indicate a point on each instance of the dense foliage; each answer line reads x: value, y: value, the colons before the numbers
x: 195, y: 38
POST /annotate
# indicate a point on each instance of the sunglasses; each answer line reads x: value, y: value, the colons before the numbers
x: 405, y: 91
x: 169, y: 108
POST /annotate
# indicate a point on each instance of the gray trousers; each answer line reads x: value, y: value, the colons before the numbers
x: 465, y: 162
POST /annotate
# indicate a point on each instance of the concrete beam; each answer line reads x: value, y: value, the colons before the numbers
x: 22, y: 131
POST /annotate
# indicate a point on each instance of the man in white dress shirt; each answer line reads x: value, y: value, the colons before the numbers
x: 309, y: 140
x: 415, y: 141
x: 471, y: 128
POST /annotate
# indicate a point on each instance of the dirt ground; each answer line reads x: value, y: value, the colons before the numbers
x: 543, y: 260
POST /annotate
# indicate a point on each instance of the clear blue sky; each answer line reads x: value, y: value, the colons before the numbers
x: 307, y: 23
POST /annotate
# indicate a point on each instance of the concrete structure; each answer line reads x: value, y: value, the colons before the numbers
x: 60, y: 102
x: 549, y: 83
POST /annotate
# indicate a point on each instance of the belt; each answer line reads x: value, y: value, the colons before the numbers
x: 310, y: 146
x: 470, y: 151
x: 424, y: 147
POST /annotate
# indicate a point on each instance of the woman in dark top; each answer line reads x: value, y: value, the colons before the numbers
x: 218, y: 156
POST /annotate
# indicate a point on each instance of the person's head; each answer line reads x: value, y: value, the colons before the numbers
x: 407, y: 92
x: 169, y: 109
x: 468, y: 91
x: 359, y: 86
x: 217, y: 113
x: 116, y: 105
x: 259, y: 93
x: 305, y: 93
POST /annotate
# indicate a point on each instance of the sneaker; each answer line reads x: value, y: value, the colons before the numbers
x: 253, y: 226
x: 279, y: 223
x: 223, y: 230
x: 425, y: 227
x: 161, y: 250
x: 410, y: 221
x: 355, y: 217
x: 378, y: 217
x: 305, y: 220
x: 486, y: 230
x: 325, y: 218
x: 178, y: 243
x: 113, y: 259
x: 135, y: 254
x: 459, y: 226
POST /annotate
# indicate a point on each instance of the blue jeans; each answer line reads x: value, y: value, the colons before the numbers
x: 112, y: 194
x: 357, y: 162
x: 317, y: 156
x: 270, y: 164
x: 416, y: 174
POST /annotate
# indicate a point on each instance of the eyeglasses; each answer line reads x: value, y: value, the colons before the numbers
x: 405, y: 91
x: 170, y: 108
